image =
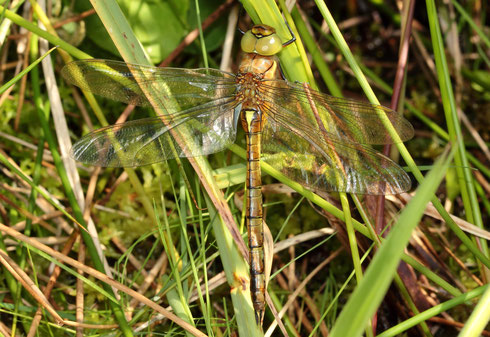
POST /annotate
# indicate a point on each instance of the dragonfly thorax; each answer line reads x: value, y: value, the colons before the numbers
x: 249, y: 89
x: 258, y: 64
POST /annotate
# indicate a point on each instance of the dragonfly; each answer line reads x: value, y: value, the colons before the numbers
x: 321, y: 141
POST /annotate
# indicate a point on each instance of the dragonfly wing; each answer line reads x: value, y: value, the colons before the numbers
x: 344, y: 118
x: 324, y: 162
x: 201, y: 130
x: 175, y: 89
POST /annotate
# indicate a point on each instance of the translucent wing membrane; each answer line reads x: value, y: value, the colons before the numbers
x: 326, y: 164
x: 198, y: 118
x: 206, y: 129
x: 298, y: 141
x: 355, y: 121
x: 124, y: 82
x: 313, y: 138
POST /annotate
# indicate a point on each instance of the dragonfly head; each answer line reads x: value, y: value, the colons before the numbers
x: 262, y: 40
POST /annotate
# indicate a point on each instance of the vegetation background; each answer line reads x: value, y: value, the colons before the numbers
x: 106, y: 254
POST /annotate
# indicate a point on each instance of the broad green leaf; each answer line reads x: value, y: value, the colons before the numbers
x: 146, y: 20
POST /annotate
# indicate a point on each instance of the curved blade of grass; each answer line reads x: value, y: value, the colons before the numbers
x: 176, y: 296
x: 24, y: 72
x: 66, y: 169
x: 343, y: 196
x: 471, y: 22
x: 364, y: 301
x: 267, y: 12
x: 191, y: 258
x: 294, y: 64
x: 316, y: 54
x: 18, y: 20
x: 434, y: 311
x: 5, y: 24
x: 462, y: 166
x: 24, y: 254
x: 69, y: 176
x: 224, y: 224
x: 481, y: 256
x: 61, y: 259
x: 78, y: 214
x: 479, y: 317
x: 322, y: 203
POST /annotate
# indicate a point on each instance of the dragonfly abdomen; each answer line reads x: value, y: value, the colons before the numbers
x: 251, y: 120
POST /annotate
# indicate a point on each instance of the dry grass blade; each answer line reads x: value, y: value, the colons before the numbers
x: 80, y: 304
x: 102, y: 277
x: 403, y: 199
x: 158, y: 268
x: 50, y: 286
x: 28, y: 284
x: 301, y: 288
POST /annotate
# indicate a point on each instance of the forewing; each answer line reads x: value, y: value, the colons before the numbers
x: 342, y: 118
x: 324, y: 162
x: 201, y: 130
x: 174, y: 89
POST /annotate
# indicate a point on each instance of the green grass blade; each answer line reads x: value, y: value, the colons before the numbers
x: 54, y: 40
x: 481, y: 256
x: 479, y: 317
x: 434, y: 311
x: 24, y: 72
x: 267, y: 12
x: 364, y: 301
x: 465, y: 176
x: 472, y: 23
x: 317, y: 55
x: 127, y: 44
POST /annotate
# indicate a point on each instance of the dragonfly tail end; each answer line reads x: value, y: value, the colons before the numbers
x: 259, y: 316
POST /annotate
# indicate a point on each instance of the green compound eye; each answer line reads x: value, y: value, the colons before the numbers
x: 248, y: 42
x: 268, y: 45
